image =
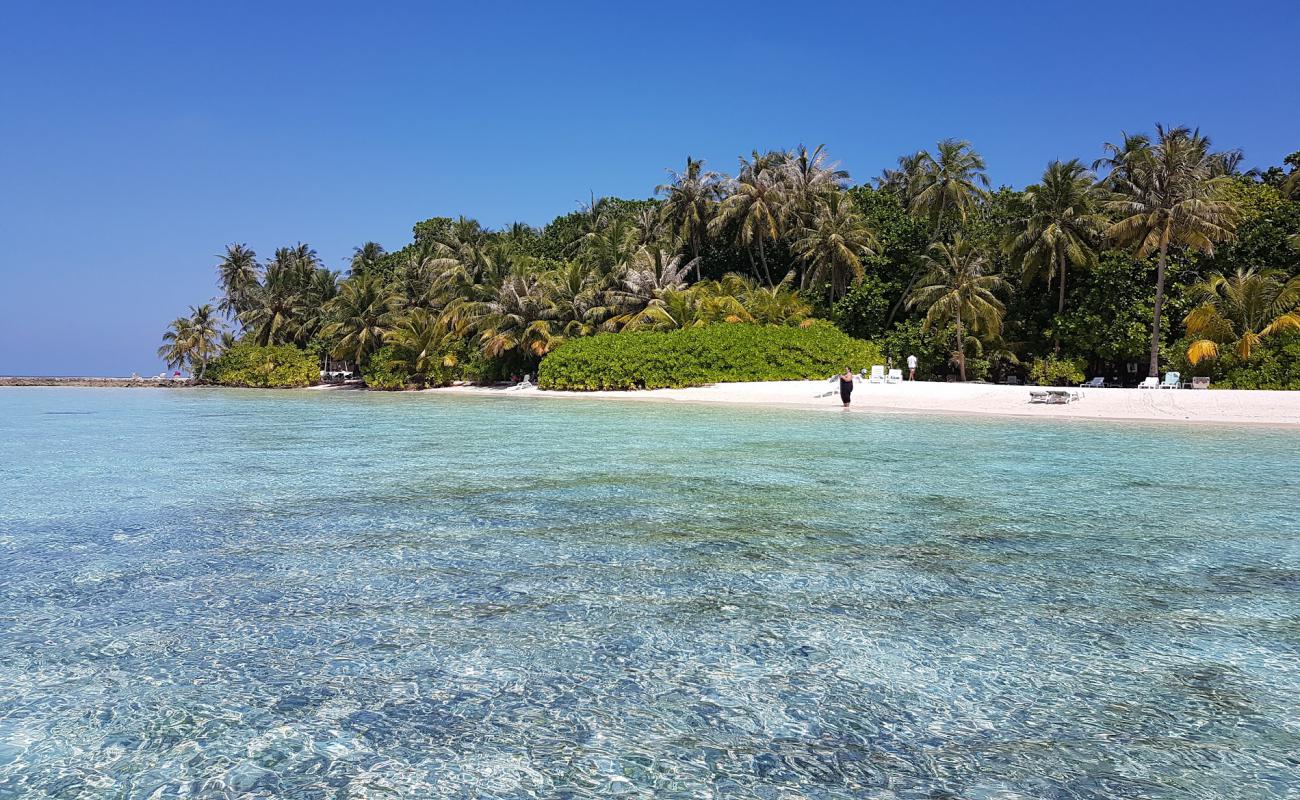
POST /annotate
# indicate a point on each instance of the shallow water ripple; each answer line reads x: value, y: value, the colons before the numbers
x: 236, y: 594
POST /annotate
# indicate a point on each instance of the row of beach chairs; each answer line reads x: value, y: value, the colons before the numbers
x: 878, y: 375
x: 1173, y: 380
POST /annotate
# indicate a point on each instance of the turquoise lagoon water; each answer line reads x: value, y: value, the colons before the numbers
x: 345, y: 595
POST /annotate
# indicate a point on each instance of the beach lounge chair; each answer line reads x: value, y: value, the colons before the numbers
x: 877, y: 374
x: 1200, y: 382
x: 1096, y: 383
x: 895, y: 376
x: 1149, y: 383
x: 1038, y: 396
x: 1173, y: 380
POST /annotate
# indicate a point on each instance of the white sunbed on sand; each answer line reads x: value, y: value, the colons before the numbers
x: 1149, y: 383
x: 1054, y: 396
x: 1173, y: 380
x: 895, y: 376
x: 877, y: 374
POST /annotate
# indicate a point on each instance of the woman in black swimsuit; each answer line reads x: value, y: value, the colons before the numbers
x: 846, y: 386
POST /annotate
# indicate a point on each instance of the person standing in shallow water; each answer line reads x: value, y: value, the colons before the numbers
x: 846, y: 386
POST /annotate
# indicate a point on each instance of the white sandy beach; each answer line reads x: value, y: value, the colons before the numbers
x: 1161, y: 405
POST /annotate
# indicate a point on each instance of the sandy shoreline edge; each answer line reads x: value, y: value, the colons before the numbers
x: 1225, y: 406
x: 1187, y: 406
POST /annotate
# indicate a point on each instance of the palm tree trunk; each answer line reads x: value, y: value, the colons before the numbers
x: 762, y: 256
x: 961, y: 351
x: 695, y: 250
x: 1154, y: 369
x: 937, y: 235
x: 1060, y: 305
x: 902, y: 298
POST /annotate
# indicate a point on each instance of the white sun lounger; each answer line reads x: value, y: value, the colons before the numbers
x: 895, y: 376
x: 877, y: 374
x: 1149, y: 383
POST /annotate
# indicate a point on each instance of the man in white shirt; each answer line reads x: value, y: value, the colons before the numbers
x: 911, y: 368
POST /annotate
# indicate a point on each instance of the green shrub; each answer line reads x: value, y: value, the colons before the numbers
x: 385, y: 370
x: 276, y: 367
x: 1053, y: 371
x: 698, y: 356
x: 1276, y: 365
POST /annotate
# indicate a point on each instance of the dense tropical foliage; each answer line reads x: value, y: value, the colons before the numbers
x: 1163, y: 255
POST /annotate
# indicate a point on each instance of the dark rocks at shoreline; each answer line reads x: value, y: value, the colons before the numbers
x: 142, y: 383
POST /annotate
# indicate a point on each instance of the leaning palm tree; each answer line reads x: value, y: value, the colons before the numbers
x: 755, y: 209
x: 1167, y: 196
x: 1062, y: 225
x: 948, y: 185
x: 833, y: 245
x: 689, y: 202
x: 957, y: 290
x: 1241, y: 311
x: 177, y: 344
x: 238, y: 275
x: 363, y: 311
x: 192, y: 341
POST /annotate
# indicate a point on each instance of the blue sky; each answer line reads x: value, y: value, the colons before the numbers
x: 138, y: 139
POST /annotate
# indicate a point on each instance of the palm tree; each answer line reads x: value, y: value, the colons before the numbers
x: 1241, y: 311
x: 755, y: 207
x: 949, y: 184
x: 808, y: 181
x: 365, y: 258
x: 322, y: 286
x: 956, y: 290
x: 689, y: 204
x: 1118, y: 156
x: 362, y: 311
x: 193, y: 340
x: 276, y: 307
x: 237, y: 274
x: 175, y: 350
x: 426, y: 342
x: 774, y: 305
x: 833, y: 246
x: 1167, y: 196
x: 575, y: 298
x: 899, y: 182
x: 515, y: 319
x: 672, y: 310
x: 205, y: 336
x: 1061, y: 227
